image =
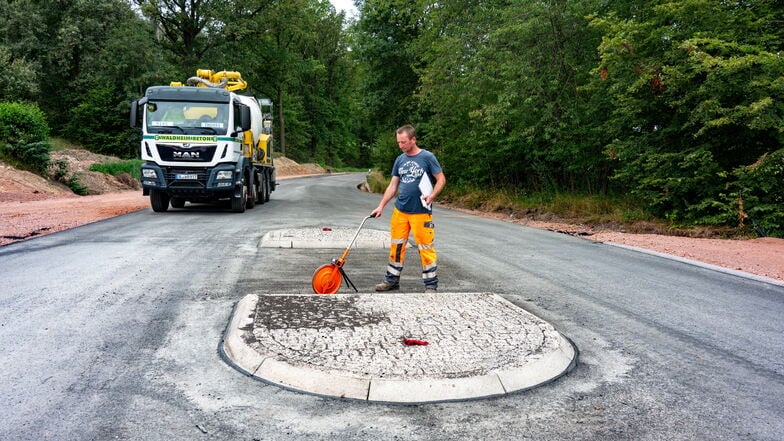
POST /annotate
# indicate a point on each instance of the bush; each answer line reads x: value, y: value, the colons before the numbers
x: 758, y: 195
x: 24, y: 136
x: 33, y: 156
x: 678, y: 186
x: 377, y: 182
x: 100, y: 124
x: 59, y: 172
x: 22, y: 124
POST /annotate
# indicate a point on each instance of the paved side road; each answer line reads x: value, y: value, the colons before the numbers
x: 111, y: 331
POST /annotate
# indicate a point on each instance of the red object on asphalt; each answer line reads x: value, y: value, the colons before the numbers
x: 414, y: 342
x: 326, y: 229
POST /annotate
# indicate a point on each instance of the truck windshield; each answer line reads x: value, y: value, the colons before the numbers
x: 187, y: 117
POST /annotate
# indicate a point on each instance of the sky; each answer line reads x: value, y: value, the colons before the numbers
x: 346, y: 5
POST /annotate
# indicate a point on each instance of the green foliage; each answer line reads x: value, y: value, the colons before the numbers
x: 76, y: 186
x: 189, y: 28
x: 131, y: 167
x: 101, y: 126
x: 377, y: 182
x: 305, y: 70
x: 33, y: 156
x: 384, y: 151
x: 22, y: 124
x: 516, y: 96
x: 690, y: 102
x: 59, y: 172
x: 84, y: 62
x: 64, y: 41
x: 16, y: 69
x: 757, y: 197
x: 577, y: 207
x: 384, y: 46
x: 677, y: 186
x: 24, y: 135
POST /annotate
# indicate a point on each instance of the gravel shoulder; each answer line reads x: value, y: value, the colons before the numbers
x: 31, y: 206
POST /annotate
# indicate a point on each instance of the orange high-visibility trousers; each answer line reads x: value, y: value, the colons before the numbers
x: 421, y: 225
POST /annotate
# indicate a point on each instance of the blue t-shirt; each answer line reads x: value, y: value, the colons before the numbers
x: 410, y: 170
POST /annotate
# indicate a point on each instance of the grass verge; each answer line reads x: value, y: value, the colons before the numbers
x: 129, y: 166
x: 62, y: 144
x: 608, y: 212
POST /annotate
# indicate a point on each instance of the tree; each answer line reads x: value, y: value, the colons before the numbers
x: 383, y: 44
x: 21, y: 75
x: 187, y: 28
x: 502, y: 83
x: 127, y: 61
x: 304, y: 70
x: 696, y: 88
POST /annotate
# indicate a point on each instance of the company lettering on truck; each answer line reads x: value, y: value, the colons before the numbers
x: 186, y: 138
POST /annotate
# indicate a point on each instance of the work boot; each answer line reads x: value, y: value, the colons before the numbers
x: 384, y: 286
x: 430, y: 290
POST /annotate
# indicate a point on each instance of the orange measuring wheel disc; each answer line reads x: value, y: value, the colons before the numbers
x: 327, y: 279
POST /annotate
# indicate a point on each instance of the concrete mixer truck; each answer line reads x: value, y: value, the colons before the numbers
x: 201, y: 142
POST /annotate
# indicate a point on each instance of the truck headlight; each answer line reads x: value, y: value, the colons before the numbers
x: 149, y: 173
x: 224, y: 174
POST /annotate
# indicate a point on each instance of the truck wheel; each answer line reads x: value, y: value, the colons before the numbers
x: 253, y: 191
x: 262, y: 190
x: 238, y: 202
x: 177, y: 202
x: 267, y: 188
x: 159, y: 201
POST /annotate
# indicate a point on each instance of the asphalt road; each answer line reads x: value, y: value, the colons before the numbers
x: 111, y: 331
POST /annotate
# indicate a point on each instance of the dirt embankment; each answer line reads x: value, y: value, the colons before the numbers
x: 31, y: 206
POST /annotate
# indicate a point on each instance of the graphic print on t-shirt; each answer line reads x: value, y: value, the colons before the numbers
x: 410, y: 171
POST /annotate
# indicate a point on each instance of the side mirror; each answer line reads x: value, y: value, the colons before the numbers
x: 134, y: 112
x: 245, y: 118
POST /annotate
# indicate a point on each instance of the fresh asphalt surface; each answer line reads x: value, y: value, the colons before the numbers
x: 111, y: 331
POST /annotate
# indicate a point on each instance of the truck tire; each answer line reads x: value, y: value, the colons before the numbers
x: 267, y: 188
x: 262, y: 189
x: 253, y: 191
x: 159, y: 201
x: 177, y: 202
x: 238, y: 202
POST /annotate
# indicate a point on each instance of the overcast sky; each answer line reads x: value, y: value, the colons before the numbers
x: 346, y: 5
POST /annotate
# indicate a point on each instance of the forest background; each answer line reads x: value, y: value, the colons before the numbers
x: 670, y: 110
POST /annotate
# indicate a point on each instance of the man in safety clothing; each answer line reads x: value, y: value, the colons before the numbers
x: 412, y: 212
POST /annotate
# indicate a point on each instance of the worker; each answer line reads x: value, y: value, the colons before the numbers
x: 413, y: 209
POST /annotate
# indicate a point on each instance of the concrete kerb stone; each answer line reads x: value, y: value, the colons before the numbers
x: 312, y: 380
x: 319, y: 237
x: 234, y: 346
x: 435, y: 390
x: 489, y: 374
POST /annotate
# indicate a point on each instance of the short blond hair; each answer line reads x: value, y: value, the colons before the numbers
x: 408, y: 129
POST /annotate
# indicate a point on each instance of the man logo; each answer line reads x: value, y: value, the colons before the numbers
x: 186, y: 146
x: 186, y: 155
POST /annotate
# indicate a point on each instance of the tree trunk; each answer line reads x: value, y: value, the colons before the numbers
x: 281, y: 124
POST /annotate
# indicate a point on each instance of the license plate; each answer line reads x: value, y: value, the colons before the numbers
x: 190, y: 176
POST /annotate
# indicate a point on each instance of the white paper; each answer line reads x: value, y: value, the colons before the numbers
x: 425, y: 187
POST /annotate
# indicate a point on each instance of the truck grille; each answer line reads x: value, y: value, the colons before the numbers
x: 193, y: 153
x: 184, y: 177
